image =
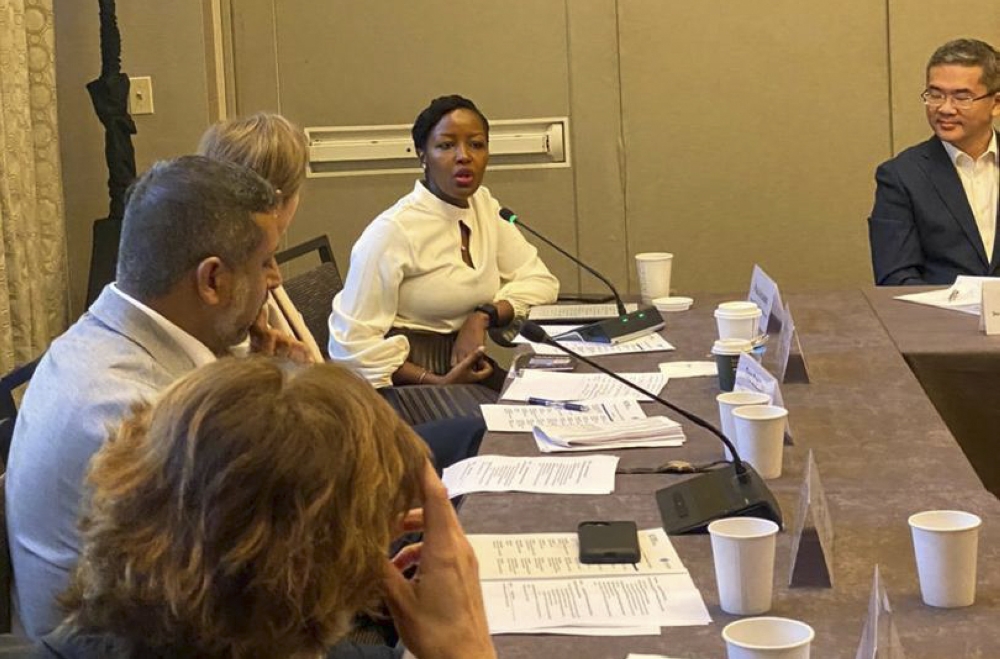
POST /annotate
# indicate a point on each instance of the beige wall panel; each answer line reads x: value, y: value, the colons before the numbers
x: 597, y: 154
x: 916, y: 29
x: 164, y: 40
x: 751, y: 133
x: 351, y: 63
x: 255, y: 65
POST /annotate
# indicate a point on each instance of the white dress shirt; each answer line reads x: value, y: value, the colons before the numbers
x: 407, y: 271
x: 981, y: 180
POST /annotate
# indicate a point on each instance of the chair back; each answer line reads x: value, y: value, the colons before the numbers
x: 6, y: 569
x: 8, y: 406
x: 421, y: 403
x: 312, y: 291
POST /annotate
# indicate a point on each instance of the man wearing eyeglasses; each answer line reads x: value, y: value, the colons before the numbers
x: 935, y: 214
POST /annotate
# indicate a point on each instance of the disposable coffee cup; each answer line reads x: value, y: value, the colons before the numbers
x: 738, y: 320
x: 743, y: 551
x: 730, y: 400
x: 768, y: 638
x: 945, y: 543
x: 760, y: 436
x: 727, y: 358
x: 654, y: 274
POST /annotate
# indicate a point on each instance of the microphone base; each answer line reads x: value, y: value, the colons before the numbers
x: 691, y: 505
x: 640, y: 322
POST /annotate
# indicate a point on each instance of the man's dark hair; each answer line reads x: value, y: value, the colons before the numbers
x: 183, y: 211
x: 432, y: 114
x: 970, y: 52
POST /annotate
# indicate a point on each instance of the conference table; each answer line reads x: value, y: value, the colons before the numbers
x: 958, y: 367
x: 882, y: 452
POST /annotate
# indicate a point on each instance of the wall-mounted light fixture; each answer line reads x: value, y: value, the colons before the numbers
x: 360, y: 150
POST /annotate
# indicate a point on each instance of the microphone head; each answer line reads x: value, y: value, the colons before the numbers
x: 534, y: 332
x: 508, y: 215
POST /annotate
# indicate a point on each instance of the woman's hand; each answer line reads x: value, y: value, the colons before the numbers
x: 471, y: 336
x: 439, y: 614
x: 473, y: 368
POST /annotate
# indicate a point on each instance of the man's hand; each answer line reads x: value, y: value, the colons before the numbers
x: 265, y: 340
x: 440, y: 613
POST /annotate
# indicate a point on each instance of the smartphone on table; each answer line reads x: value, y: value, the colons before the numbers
x: 608, y: 542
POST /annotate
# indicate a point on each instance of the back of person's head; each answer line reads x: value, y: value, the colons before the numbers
x: 247, y: 513
x: 970, y: 52
x: 433, y: 113
x: 182, y: 211
x: 269, y: 144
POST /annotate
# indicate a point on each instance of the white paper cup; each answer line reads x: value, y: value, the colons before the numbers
x: 760, y: 437
x: 743, y: 551
x: 738, y: 320
x: 654, y: 274
x: 730, y: 400
x: 767, y: 638
x: 945, y: 543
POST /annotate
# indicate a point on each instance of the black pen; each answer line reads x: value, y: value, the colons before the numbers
x: 575, y: 407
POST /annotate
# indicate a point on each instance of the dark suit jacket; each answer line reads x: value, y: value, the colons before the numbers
x: 922, y: 229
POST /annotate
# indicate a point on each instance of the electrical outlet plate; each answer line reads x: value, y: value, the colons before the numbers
x: 140, y: 95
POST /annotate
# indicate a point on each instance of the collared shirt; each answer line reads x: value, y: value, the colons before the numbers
x: 197, y: 351
x: 981, y: 180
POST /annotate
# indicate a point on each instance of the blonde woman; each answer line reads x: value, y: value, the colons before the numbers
x: 247, y: 514
x: 277, y: 150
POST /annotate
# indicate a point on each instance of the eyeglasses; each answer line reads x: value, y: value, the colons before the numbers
x: 933, y: 98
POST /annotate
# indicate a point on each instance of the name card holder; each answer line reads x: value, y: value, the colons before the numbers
x: 786, y: 359
x: 990, y: 320
x: 811, y: 563
x: 764, y: 293
x: 791, y: 361
x: 879, y: 638
x: 752, y: 376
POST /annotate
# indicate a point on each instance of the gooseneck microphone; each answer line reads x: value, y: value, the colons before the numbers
x: 626, y: 326
x: 512, y: 217
x: 692, y: 504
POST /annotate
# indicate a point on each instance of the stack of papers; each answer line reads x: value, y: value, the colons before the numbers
x: 535, y: 583
x: 965, y: 295
x: 593, y: 474
x: 586, y: 311
x: 581, y: 386
x: 522, y: 418
x: 653, y: 431
x: 689, y: 369
x: 646, y: 343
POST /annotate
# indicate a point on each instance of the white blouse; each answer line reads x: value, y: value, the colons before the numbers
x: 407, y: 271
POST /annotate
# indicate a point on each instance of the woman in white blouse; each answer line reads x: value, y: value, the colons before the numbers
x: 432, y: 274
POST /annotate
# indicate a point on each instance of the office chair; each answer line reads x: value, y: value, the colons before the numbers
x: 312, y: 291
x: 8, y: 407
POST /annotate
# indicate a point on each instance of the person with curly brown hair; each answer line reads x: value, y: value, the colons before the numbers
x: 247, y: 513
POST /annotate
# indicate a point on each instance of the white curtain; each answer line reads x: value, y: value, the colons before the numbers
x: 33, y: 271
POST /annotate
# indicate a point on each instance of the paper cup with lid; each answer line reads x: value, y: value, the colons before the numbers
x: 738, y: 320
